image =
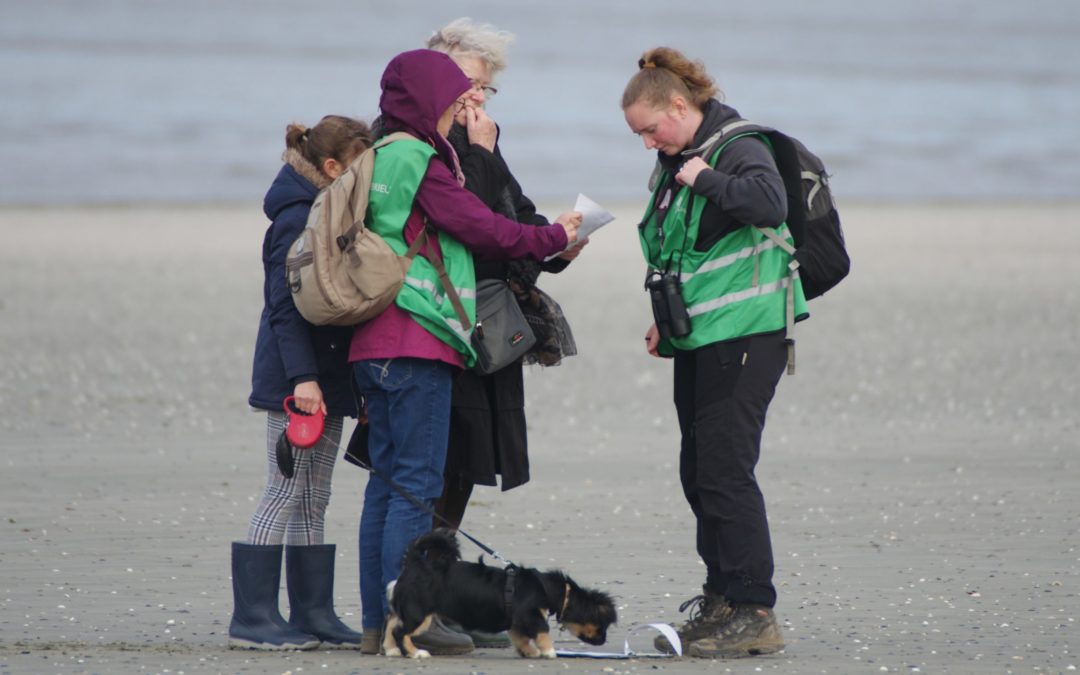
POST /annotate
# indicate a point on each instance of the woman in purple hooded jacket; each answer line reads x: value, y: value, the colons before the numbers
x: 404, y: 360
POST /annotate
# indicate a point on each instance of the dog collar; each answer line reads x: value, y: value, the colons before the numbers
x: 565, y: 604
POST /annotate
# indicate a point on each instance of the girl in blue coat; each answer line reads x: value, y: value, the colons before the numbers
x: 293, y: 357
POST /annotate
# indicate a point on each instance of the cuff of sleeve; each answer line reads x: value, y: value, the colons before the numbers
x: 476, y: 147
x: 300, y: 379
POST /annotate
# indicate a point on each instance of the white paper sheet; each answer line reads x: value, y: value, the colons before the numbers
x: 593, y: 217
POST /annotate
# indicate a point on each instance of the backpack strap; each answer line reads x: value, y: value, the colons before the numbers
x: 707, y: 147
x: 365, y: 164
x: 423, y: 240
x: 712, y: 142
x: 789, y: 310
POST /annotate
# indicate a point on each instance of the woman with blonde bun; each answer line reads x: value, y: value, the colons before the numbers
x: 719, y: 288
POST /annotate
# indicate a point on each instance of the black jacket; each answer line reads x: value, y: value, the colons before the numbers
x: 488, y: 177
x: 745, y: 188
x: 487, y: 416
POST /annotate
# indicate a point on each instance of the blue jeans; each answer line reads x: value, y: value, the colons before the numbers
x: 408, y: 407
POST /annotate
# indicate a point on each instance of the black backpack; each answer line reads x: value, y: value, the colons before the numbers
x: 812, y: 217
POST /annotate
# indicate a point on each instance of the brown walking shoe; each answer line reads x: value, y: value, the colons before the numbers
x: 750, y: 631
x: 371, y: 641
x: 708, y: 613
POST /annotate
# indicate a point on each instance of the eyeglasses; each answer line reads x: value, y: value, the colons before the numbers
x: 488, y: 90
x: 461, y: 105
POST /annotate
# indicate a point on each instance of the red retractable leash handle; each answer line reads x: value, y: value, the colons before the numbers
x: 302, y: 430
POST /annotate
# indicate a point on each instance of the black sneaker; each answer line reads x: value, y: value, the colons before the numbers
x: 708, y: 613
x: 750, y: 631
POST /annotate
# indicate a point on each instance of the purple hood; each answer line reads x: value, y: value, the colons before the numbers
x: 417, y: 88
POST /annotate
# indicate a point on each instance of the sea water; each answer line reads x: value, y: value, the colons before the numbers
x: 187, y: 100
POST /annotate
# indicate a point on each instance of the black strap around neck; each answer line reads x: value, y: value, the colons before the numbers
x: 508, y: 590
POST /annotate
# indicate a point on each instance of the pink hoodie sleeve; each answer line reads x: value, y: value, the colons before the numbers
x: 456, y: 211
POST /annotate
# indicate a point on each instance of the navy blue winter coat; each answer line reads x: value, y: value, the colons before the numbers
x: 288, y: 349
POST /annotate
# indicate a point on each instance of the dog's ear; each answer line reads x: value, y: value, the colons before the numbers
x: 607, y: 610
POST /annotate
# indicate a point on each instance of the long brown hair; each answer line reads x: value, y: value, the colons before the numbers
x: 664, y: 72
x: 334, y: 137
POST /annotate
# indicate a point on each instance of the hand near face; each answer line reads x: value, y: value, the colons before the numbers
x: 689, y: 171
x: 481, y: 128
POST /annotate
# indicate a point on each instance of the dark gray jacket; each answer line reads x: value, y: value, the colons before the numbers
x: 745, y: 188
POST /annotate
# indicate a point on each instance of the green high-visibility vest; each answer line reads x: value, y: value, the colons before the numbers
x: 399, y: 169
x: 739, y: 287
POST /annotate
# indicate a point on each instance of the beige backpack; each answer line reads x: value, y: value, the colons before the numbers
x: 339, y: 271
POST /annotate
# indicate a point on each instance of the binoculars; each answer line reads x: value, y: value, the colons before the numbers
x: 669, y: 311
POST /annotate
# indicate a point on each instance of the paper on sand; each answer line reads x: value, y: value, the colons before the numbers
x: 627, y: 653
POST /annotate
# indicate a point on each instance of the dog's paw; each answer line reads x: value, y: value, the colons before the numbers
x: 422, y: 654
x: 549, y: 654
x: 396, y: 651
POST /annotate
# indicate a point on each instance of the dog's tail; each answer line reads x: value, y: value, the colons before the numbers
x: 437, y: 549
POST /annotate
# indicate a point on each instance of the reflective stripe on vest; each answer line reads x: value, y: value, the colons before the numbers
x: 399, y: 169
x: 739, y: 287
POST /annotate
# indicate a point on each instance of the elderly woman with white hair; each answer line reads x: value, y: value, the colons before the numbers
x: 487, y: 426
x: 487, y: 420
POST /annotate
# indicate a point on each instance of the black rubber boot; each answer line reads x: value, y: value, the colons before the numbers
x: 256, y: 621
x: 310, y: 574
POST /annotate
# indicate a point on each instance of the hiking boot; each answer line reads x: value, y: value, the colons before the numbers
x: 751, y: 630
x: 708, y: 613
x: 441, y: 641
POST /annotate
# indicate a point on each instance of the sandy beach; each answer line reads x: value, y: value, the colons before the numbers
x: 917, y: 468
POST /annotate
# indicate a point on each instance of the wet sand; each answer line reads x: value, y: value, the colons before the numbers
x: 917, y: 468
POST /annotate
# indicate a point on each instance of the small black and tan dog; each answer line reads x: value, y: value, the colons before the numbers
x: 435, y: 581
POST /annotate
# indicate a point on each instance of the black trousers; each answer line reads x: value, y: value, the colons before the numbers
x: 722, y: 392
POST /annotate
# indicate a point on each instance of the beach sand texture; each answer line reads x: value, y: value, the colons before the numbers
x: 920, y: 469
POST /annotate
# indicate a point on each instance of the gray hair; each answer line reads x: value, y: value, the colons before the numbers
x: 464, y: 37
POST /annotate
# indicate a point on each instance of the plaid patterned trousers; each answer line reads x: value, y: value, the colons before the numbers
x: 293, y: 510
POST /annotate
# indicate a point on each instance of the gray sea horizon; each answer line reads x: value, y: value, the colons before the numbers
x: 131, y: 101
